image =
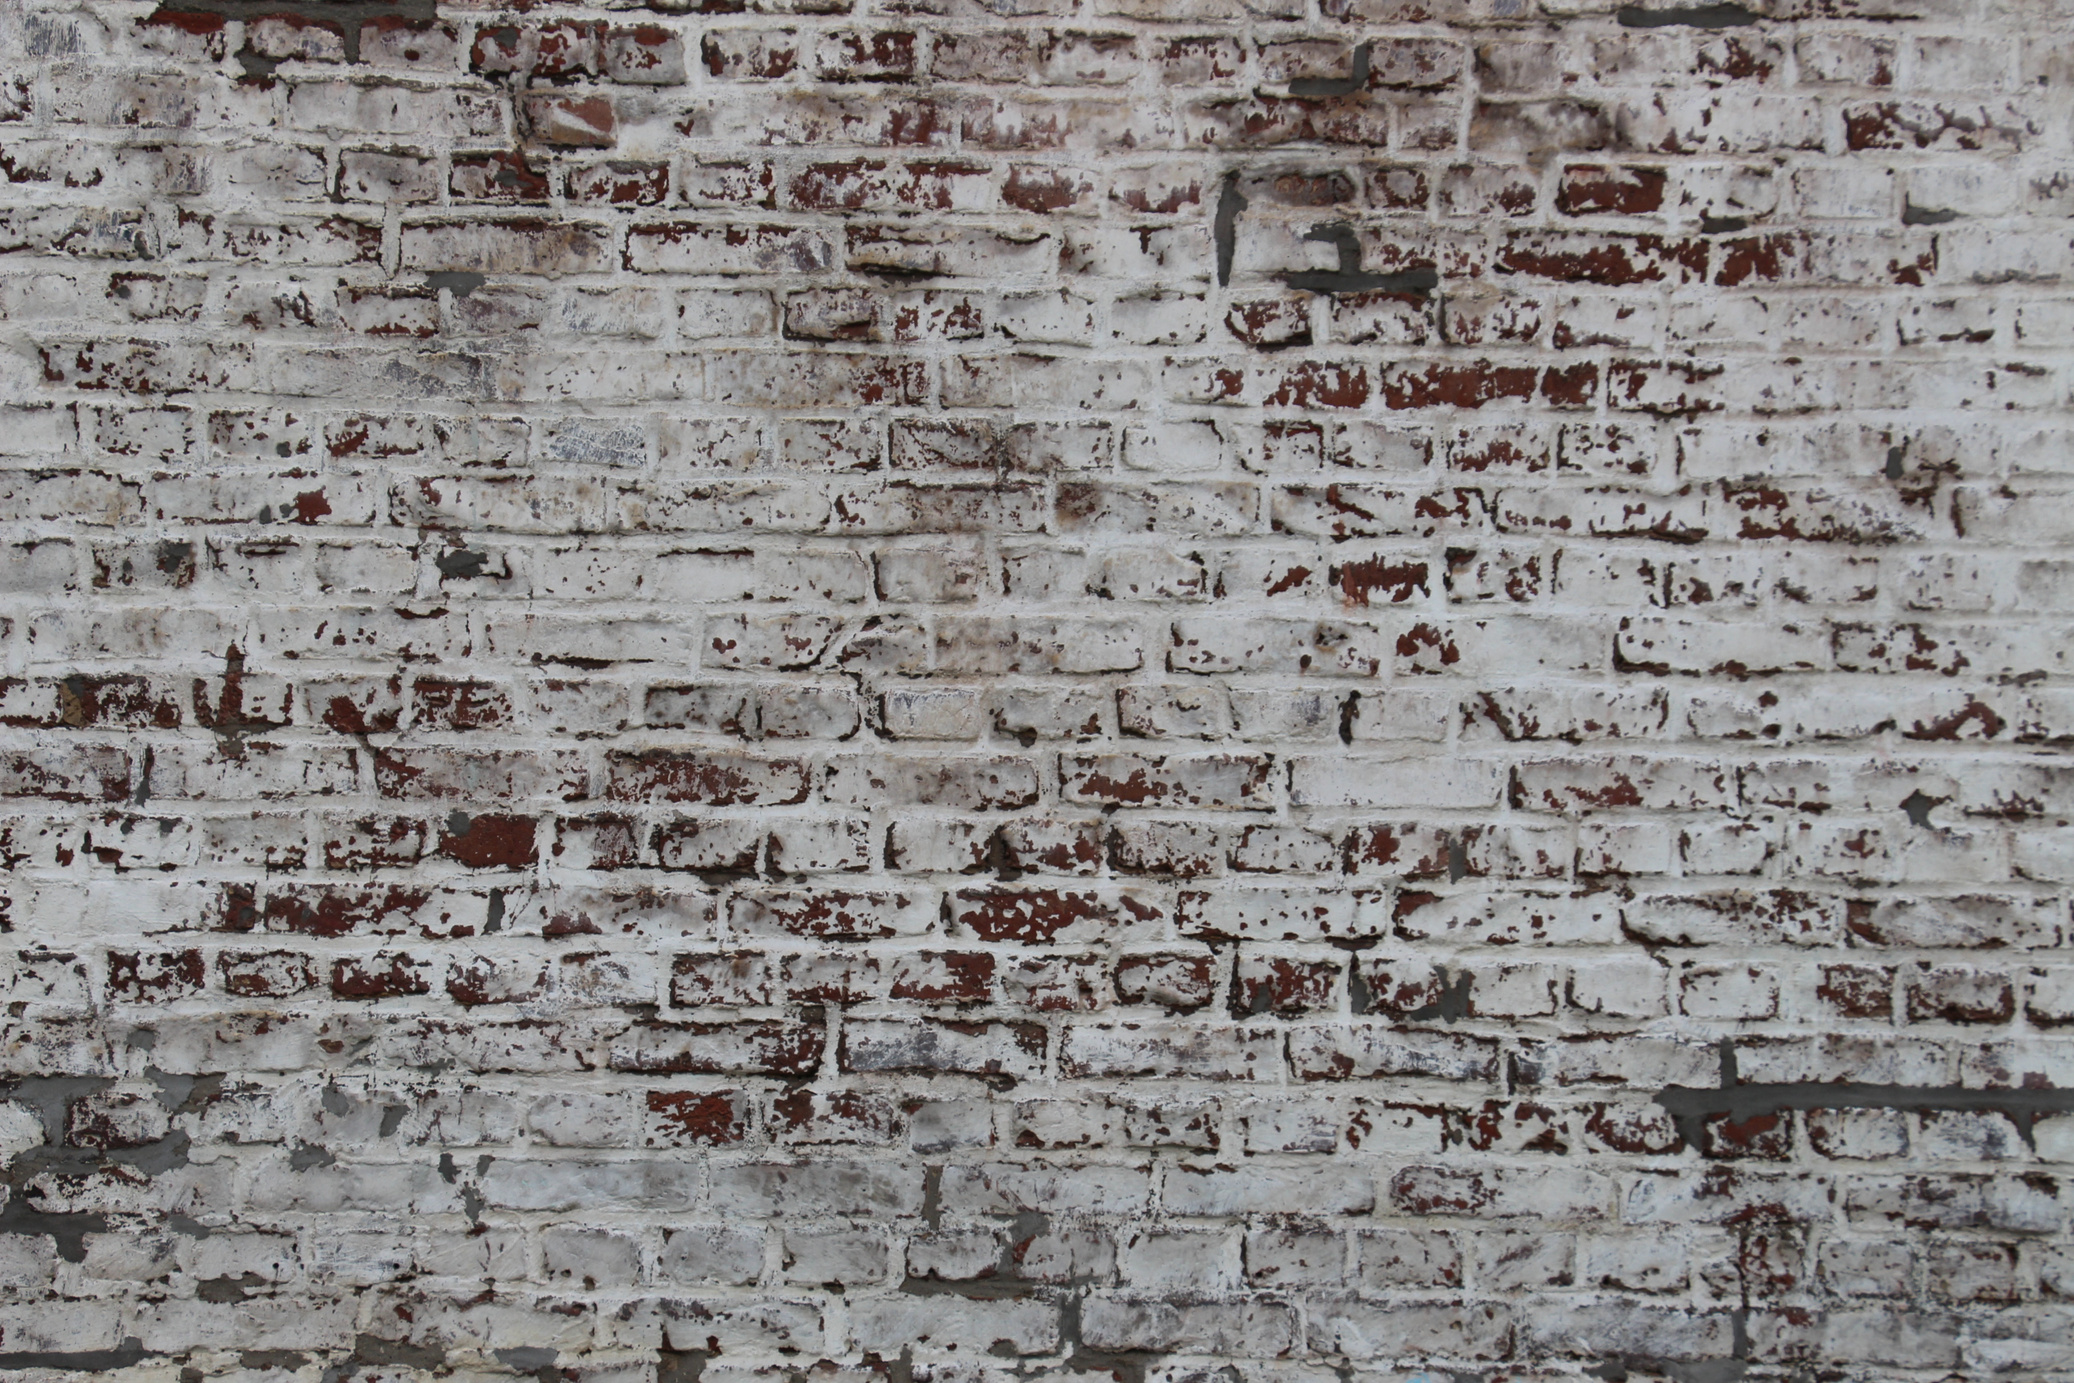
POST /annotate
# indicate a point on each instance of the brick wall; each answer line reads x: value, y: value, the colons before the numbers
x: 943, y: 692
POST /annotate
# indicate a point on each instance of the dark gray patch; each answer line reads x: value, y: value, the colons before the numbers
x: 1919, y: 805
x: 531, y: 1359
x: 973, y: 1289
x: 1616, y: 1370
x: 273, y: 1359
x: 130, y: 1352
x: 1723, y: 225
x: 461, y: 562
x: 1453, y: 1004
x: 1350, y: 277
x: 1690, y: 16
x: 1913, y: 215
x: 182, y: 1094
x: 228, y: 1289
x: 1000, y: 859
x: 174, y: 558
x: 308, y: 1155
x: 1336, y: 86
x: 153, y: 1158
x: 52, y: 1096
x: 460, y: 282
x: 1225, y: 227
x: 68, y: 1231
x: 680, y: 1365
x: 143, y: 793
x: 1690, y: 1109
x: 932, y: 1197
x: 1359, y: 996
x: 368, y: 1349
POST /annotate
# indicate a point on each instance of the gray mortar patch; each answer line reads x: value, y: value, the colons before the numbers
x: 1690, y: 1108
x: 1225, y: 228
x: 1689, y: 16
x: 1350, y: 277
x: 1337, y: 86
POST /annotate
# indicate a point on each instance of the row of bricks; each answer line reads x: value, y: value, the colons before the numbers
x: 1826, y: 53
x: 216, y: 570
x: 362, y: 1117
x: 735, y: 509
x: 1634, y: 120
x: 1768, y: 718
x: 438, y: 907
x: 1003, y: 1054
x: 654, y: 53
x: 197, y: 769
x: 846, y: 499
x: 1862, y: 853
x: 1841, y: 453
x: 569, y: 1255
x: 1949, y: 16
x: 1019, y: 254
x: 828, y: 379
x: 1485, y: 591
x: 434, y: 910
x: 1134, y: 258
x: 863, y: 316
x: 1282, y: 606
x: 1045, y: 318
x: 1563, y: 647
x: 1761, y: 842
x: 1053, y: 478
x: 377, y: 1121
x: 1038, y: 318
x: 1548, y: 1337
x: 1252, y: 984
x: 1710, y: 193
x: 1582, y: 588
x: 1575, y: 1194
x: 1063, y: 317
x: 753, y: 380
x: 1580, y: 581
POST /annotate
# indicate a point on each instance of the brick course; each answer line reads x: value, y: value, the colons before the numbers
x: 945, y: 691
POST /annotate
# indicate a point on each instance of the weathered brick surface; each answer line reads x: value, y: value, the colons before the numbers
x: 945, y: 691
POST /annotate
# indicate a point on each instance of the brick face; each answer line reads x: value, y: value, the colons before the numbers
x: 943, y: 693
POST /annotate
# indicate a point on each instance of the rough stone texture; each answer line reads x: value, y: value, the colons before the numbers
x: 929, y: 692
